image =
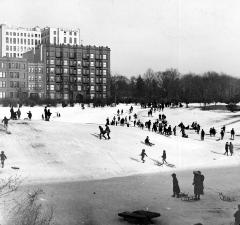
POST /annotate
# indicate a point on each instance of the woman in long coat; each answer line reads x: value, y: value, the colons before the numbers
x: 176, y: 189
x: 198, y: 184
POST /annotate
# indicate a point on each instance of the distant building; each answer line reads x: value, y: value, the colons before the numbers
x: 60, y: 36
x: 36, y: 80
x: 14, y: 41
x: 74, y: 73
x: 13, y: 78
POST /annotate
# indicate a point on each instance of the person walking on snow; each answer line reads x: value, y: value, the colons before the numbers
x: 176, y: 189
x: 143, y: 154
x: 29, y: 115
x: 107, y: 131
x: 198, y: 184
x: 231, y: 148
x: 232, y: 134
x: 237, y: 216
x: 164, y: 157
x: 102, y: 132
x: 202, y: 135
x: 3, y: 158
x: 226, y: 149
x: 5, y: 122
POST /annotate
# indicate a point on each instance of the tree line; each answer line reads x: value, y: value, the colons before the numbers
x: 171, y: 86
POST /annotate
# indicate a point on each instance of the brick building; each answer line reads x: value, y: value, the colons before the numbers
x: 74, y: 72
x: 13, y: 78
x: 36, y: 80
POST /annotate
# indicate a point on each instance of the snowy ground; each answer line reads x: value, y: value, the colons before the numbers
x: 67, y: 149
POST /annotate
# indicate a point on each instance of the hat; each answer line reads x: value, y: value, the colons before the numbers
x: 174, y: 175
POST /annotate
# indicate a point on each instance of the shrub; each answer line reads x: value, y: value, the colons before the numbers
x: 231, y: 107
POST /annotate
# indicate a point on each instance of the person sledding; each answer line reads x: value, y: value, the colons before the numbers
x: 102, y: 132
x: 3, y: 158
x: 5, y: 122
x: 147, y: 141
x: 143, y: 154
x: 176, y: 189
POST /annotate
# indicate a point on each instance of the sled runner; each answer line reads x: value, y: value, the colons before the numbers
x: 15, y: 168
x: 139, y: 216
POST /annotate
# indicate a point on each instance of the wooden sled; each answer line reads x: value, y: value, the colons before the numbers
x: 187, y: 198
x: 139, y: 216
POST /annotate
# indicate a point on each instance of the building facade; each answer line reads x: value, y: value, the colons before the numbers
x: 13, y: 78
x: 74, y: 73
x: 36, y: 80
x: 14, y: 41
x: 60, y: 36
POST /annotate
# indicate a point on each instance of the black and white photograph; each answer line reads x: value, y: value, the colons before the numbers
x: 120, y: 112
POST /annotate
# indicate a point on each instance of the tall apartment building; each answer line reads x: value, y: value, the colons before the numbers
x: 14, y: 41
x: 13, y: 78
x: 60, y: 36
x: 74, y: 72
x: 36, y: 80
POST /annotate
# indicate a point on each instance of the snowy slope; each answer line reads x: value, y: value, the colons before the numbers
x: 67, y: 148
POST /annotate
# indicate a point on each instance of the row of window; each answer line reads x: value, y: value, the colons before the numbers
x: 65, y: 96
x: 76, y: 79
x: 35, y: 78
x: 14, y: 55
x: 17, y: 48
x: 22, y: 41
x: 35, y: 69
x: 22, y: 34
x: 58, y: 53
x: 58, y: 70
x: 13, y: 84
x: 12, y: 65
x: 57, y: 87
x: 35, y: 86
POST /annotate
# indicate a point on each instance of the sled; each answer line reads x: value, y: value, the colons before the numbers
x: 139, y: 216
x: 151, y: 144
x: 187, y: 198
x: 15, y: 168
x: 226, y: 198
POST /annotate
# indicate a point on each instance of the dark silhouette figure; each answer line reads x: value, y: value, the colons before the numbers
x: 3, y: 158
x: 198, y: 184
x: 164, y: 157
x: 176, y: 189
x: 237, y: 216
x: 143, y: 154
x: 102, y: 132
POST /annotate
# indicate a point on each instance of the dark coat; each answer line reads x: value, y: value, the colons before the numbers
x: 198, y: 184
x: 176, y: 188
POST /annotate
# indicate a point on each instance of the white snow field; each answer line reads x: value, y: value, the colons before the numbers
x: 67, y: 149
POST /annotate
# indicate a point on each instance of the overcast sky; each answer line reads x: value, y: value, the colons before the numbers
x: 190, y: 35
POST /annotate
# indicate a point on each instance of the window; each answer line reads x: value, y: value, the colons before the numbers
x: 104, y: 56
x: 104, y: 64
x: 104, y: 72
x: 79, y: 88
x: 92, y: 96
x: 91, y: 63
x: 54, y: 32
x: 104, y: 80
x: 52, y: 96
x: 65, y: 96
x: 70, y: 40
x: 78, y: 63
x: 92, y: 56
x: 79, y: 71
x: 52, y: 70
x: 7, y: 48
x: 2, y: 94
x: 7, y: 40
x: 52, y: 78
x: 65, y: 70
x: 79, y: 79
x: 51, y: 87
x: 52, y: 61
x: 65, y: 62
x: 75, y: 41
x: 92, y: 88
x: 2, y: 84
x: 104, y: 88
x: 92, y: 80
x: 65, y: 40
x: 54, y: 40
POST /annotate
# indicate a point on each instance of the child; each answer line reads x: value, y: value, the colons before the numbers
x: 164, y: 156
x: 143, y: 154
x: 3, y: 158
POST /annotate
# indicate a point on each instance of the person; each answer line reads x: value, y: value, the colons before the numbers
x: 176, y: 189
x: 48, y: 114
x: 143, y: 154
x: 29, y: 115
x: 202, y: 135
x: 226, y: 149
x: 222, y: 134
x: 107, y: 131
x: 18, y: 113
x: 164, y: 157
x: 5, y: 122
x: 198, y: 184
x: 231, y: 148
x: 42, y: 117
x: 3, y: 158
x: 232, y: 134
x: 237, y: 216
x: 147, y: 142
x: 45, y: 113
x: 174, y: 131
x: 102, y: 132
